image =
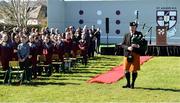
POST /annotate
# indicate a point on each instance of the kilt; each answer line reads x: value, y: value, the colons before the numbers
x: 134, y: 65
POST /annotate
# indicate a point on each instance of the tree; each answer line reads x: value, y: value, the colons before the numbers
x: 18, y: 11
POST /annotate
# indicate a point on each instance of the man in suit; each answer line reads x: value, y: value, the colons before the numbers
x: 131, y: 44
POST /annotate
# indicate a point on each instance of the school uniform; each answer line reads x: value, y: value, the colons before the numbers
x: 33, y: 59
x: 48, y: 52
x: 5, y: 57
x: 23, y: 53
x: 68, y: 43
x: 59, y: 49
x: 84, y: 50
x: 14, y: 47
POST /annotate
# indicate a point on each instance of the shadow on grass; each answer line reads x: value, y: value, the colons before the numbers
x: 87, y: 72
x: 43, y: 83
x: 71, y: 76
x: 103, y: 58
x: 57, y: 79
x: 53, y: 79
x: 100, y: 71
x: 51, y: 83
x: 1, y: 82
x: 161, y: 89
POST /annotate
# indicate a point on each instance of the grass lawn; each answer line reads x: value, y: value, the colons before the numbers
x: 158, y: 81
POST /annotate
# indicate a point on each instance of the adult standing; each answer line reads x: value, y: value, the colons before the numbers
x: 131, y: 45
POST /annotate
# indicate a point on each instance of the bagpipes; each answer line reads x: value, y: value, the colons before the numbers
x: 141, y: 41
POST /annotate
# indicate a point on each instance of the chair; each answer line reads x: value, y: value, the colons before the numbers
x: 41, y: 60
x: 66, y: 55
x: 73, y: 62
x: 3, y: 73
x: 15, y: 70
x: 67, y: 61
x: 67, y: 64
x: 79, y: 58
x: 56, y: 61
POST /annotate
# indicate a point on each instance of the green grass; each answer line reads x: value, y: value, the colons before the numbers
x: 158, y: 81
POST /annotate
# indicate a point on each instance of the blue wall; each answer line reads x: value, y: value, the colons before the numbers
x: 64, y: 13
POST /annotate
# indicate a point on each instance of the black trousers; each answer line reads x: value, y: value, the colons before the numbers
x: 28, y: 72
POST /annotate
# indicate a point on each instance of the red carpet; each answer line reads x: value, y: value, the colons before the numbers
x: 115, y: 74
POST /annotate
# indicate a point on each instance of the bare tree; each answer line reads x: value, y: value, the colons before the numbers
x: 18, y: 11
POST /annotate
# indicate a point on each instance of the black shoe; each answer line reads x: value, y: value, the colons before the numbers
x: 132, y: 86
x: 126, y: 86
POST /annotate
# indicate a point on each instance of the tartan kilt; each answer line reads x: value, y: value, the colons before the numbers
x: 134, y: 65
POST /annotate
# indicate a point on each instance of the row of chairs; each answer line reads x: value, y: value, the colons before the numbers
x: 69, y: 61
x: 15, y: 74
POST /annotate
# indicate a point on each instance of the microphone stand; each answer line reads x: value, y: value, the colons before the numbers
x: 150, y: 35
x: 107, y: 40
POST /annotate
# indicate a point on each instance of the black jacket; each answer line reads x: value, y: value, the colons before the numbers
x: 127, y: 42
